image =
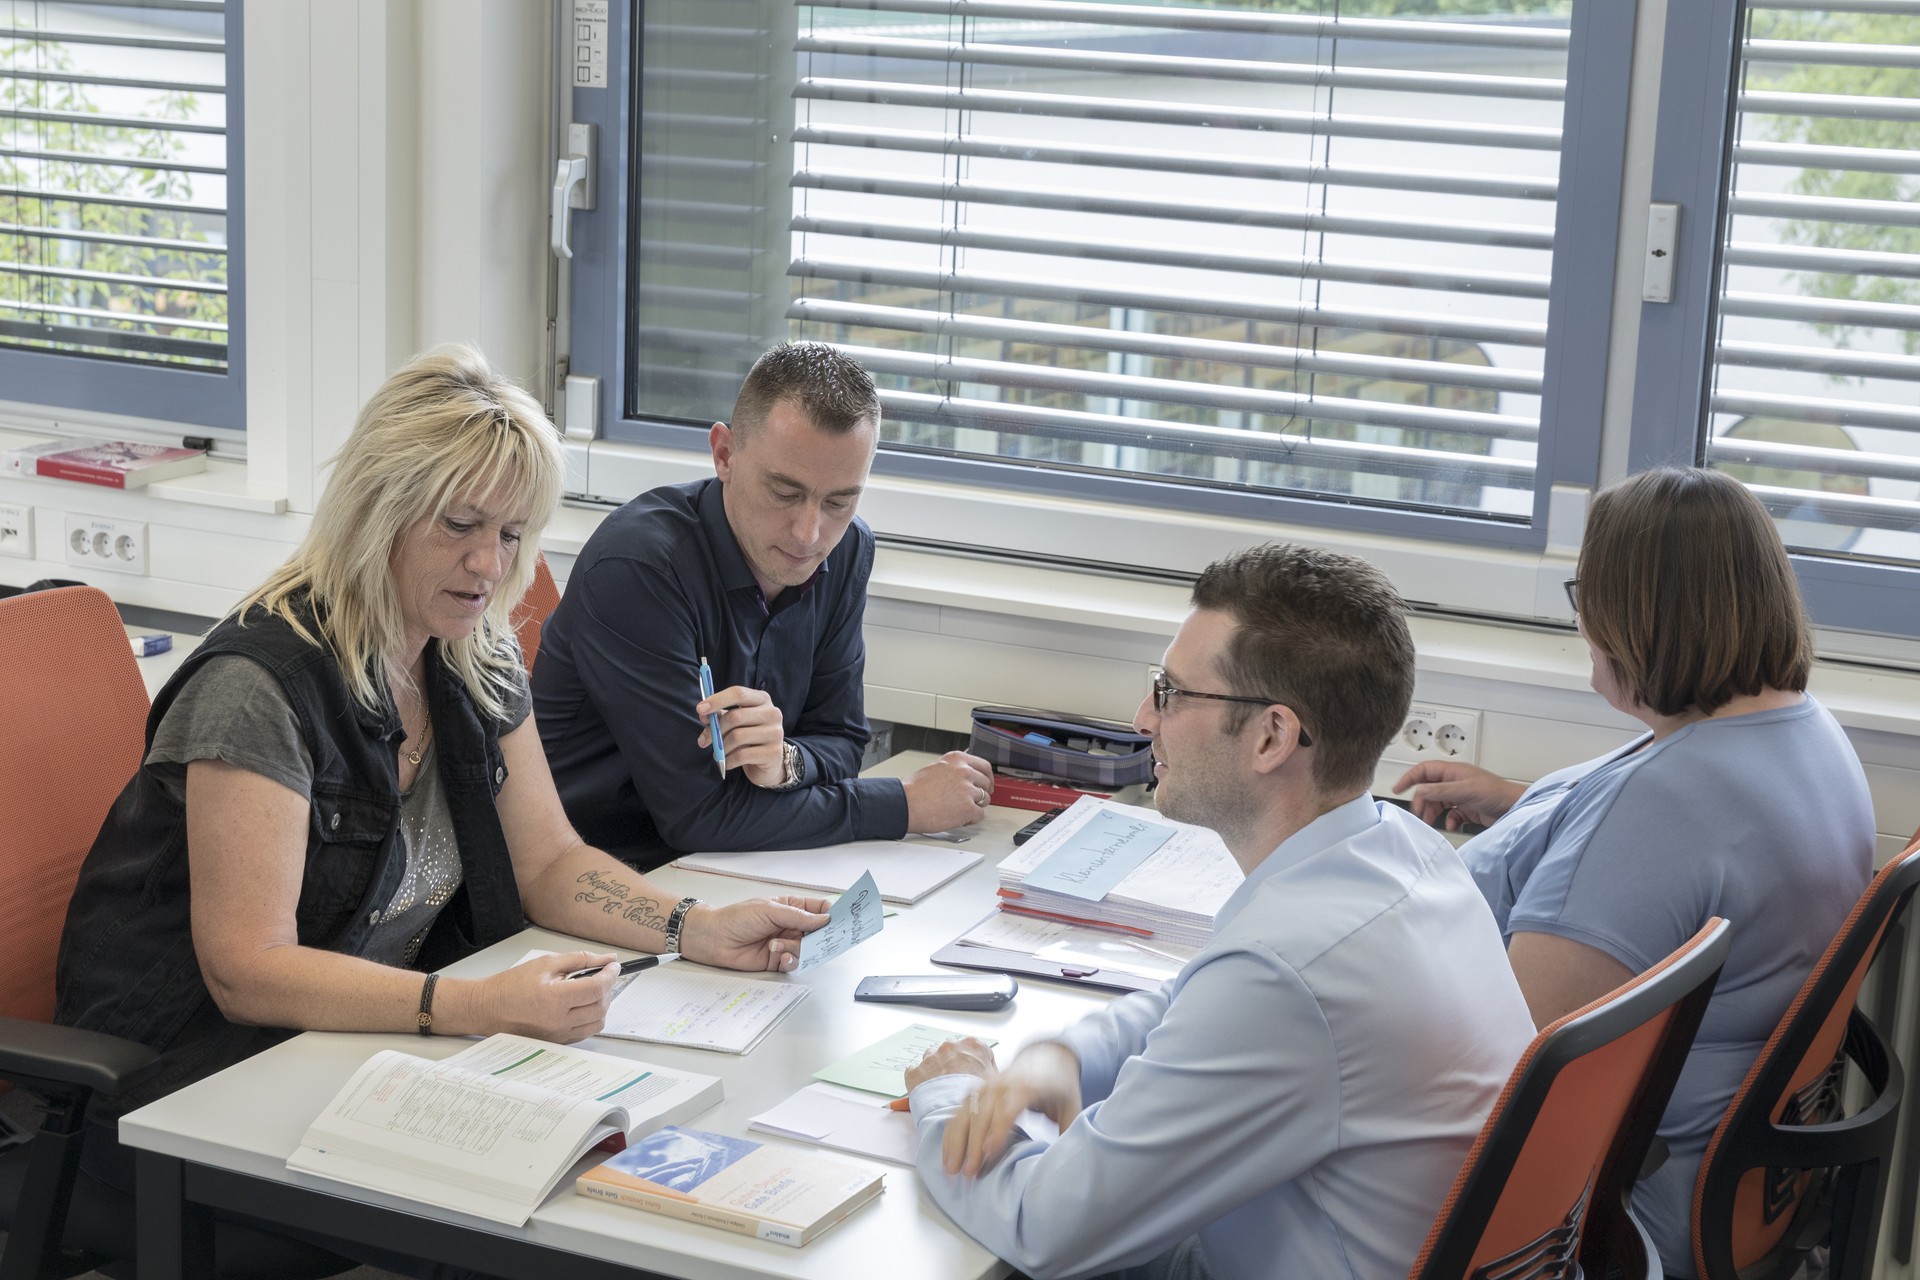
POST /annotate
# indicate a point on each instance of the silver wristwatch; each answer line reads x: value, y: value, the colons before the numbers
x: 793, y: 770
x: 676, y: 918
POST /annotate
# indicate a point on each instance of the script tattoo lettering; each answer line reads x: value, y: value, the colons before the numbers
x: 615, y: 899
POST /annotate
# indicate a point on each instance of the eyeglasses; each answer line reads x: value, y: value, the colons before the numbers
x: 1164, y: 692
x: 1573, y: 593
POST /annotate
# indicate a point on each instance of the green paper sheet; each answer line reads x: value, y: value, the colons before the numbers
x: 882, y: 1067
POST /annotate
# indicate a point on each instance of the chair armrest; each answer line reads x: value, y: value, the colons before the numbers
x: 67, y: 1055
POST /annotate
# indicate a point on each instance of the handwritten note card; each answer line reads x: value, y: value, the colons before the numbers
x: 854, y: 917
x: 1099, y: 855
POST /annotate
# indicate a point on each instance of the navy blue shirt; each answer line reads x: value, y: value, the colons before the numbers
x: 660, y: 583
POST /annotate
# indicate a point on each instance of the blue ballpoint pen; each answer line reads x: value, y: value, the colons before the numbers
x: 713, y: 717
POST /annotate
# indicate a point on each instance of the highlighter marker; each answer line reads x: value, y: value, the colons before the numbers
x: 713, y: 719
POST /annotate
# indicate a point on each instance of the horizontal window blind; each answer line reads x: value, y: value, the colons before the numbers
x: 1303, y: 251
x: 1815, y: 398
x: 113, y: 180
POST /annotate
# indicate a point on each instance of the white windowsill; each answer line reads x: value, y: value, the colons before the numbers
x: 224, y: 483
x: 1860, y: 697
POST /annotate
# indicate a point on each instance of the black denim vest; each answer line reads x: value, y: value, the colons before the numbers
x: 127, y: 964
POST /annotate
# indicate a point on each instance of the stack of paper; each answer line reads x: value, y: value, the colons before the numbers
x: 1122, y: 868
x: 905, y: 872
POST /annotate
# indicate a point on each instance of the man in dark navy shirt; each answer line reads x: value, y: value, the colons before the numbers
x: 754, y: 571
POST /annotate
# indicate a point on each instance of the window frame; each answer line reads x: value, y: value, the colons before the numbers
x: 190, y: 397
x: 1579, y: 316
x: 1693, y: 154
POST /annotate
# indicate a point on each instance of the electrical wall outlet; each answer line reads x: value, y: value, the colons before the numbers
x: 1436, y: 733
x: 16, y: 531
x: 119, y: 545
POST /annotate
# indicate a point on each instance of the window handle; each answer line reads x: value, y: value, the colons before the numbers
x: 572, y: 185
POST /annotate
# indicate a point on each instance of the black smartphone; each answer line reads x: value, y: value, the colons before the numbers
x: 940, y: 990
x: 1032, y: 829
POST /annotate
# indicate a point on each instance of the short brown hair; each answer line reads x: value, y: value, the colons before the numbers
x: 831, y: 388
x: 1324, y: 634
x: 1685, y: 588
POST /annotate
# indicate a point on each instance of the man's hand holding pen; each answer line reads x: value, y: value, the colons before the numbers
x: 751, y: 729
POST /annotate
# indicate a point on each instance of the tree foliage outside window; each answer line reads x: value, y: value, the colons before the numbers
x: 128, y: 298
x: 1838, y: 131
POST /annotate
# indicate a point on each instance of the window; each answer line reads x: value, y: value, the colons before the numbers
x: 119, y: 251
x: 1815, y: 399
x: 1790, y: 353
x: 1323, y: 264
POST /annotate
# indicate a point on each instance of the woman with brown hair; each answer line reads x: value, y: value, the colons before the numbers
x: 1744, y: 799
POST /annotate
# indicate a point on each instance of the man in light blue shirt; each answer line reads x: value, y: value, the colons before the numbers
x: 1298, y: 1100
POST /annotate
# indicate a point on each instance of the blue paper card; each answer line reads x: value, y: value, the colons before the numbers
x: 855, y: 916
x: 1099, y: 855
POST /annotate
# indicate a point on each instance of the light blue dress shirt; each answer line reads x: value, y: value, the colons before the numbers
x: 1302, y: 1094
x: 1763, y: 819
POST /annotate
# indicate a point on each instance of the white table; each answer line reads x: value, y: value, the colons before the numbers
x: 224, y: 1141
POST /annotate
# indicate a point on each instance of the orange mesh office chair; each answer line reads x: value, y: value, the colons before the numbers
x: 1786, y: 1171
x: 535, y: 607
x: 74, y: 708
x: 1548, y: 1179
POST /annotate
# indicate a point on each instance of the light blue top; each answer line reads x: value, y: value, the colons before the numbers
x: 1302, y: 1094
x: 1763, y: 819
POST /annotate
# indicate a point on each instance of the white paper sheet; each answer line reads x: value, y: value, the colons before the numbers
x: 828, y: 1115
x: 904, y: 872
x: 700, y: 1008
x: 844, y: 1119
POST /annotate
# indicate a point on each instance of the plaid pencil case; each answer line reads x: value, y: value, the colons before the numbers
x: 1072, y: 748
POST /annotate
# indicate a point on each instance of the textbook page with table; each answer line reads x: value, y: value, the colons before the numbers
x: 905, y: 872
x: 493, y: 1129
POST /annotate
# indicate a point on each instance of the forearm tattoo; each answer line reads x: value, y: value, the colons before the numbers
x: 616, y: 899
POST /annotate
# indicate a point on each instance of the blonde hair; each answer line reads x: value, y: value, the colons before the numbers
x: 445, y: 428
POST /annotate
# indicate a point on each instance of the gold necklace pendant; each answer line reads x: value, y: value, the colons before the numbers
x: 426, y: 732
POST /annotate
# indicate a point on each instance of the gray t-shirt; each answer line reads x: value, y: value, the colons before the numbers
x: 234, y: 711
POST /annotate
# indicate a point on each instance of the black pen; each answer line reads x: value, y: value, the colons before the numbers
x: 627, y: 966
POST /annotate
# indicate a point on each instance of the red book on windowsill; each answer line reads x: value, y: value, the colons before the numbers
x: 121, y: 464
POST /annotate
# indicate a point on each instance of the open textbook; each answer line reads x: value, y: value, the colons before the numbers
x: 491, y: 1130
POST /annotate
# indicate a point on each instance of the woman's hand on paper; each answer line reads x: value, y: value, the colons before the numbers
x: 753, y: 731
x: 758, y: 934
x: 953, y: 791
x: 1044, y: 1077
x: 1464, y: 792
x: 538, y: 999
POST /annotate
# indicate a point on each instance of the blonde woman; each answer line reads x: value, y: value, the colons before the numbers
x: 344, y: 787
